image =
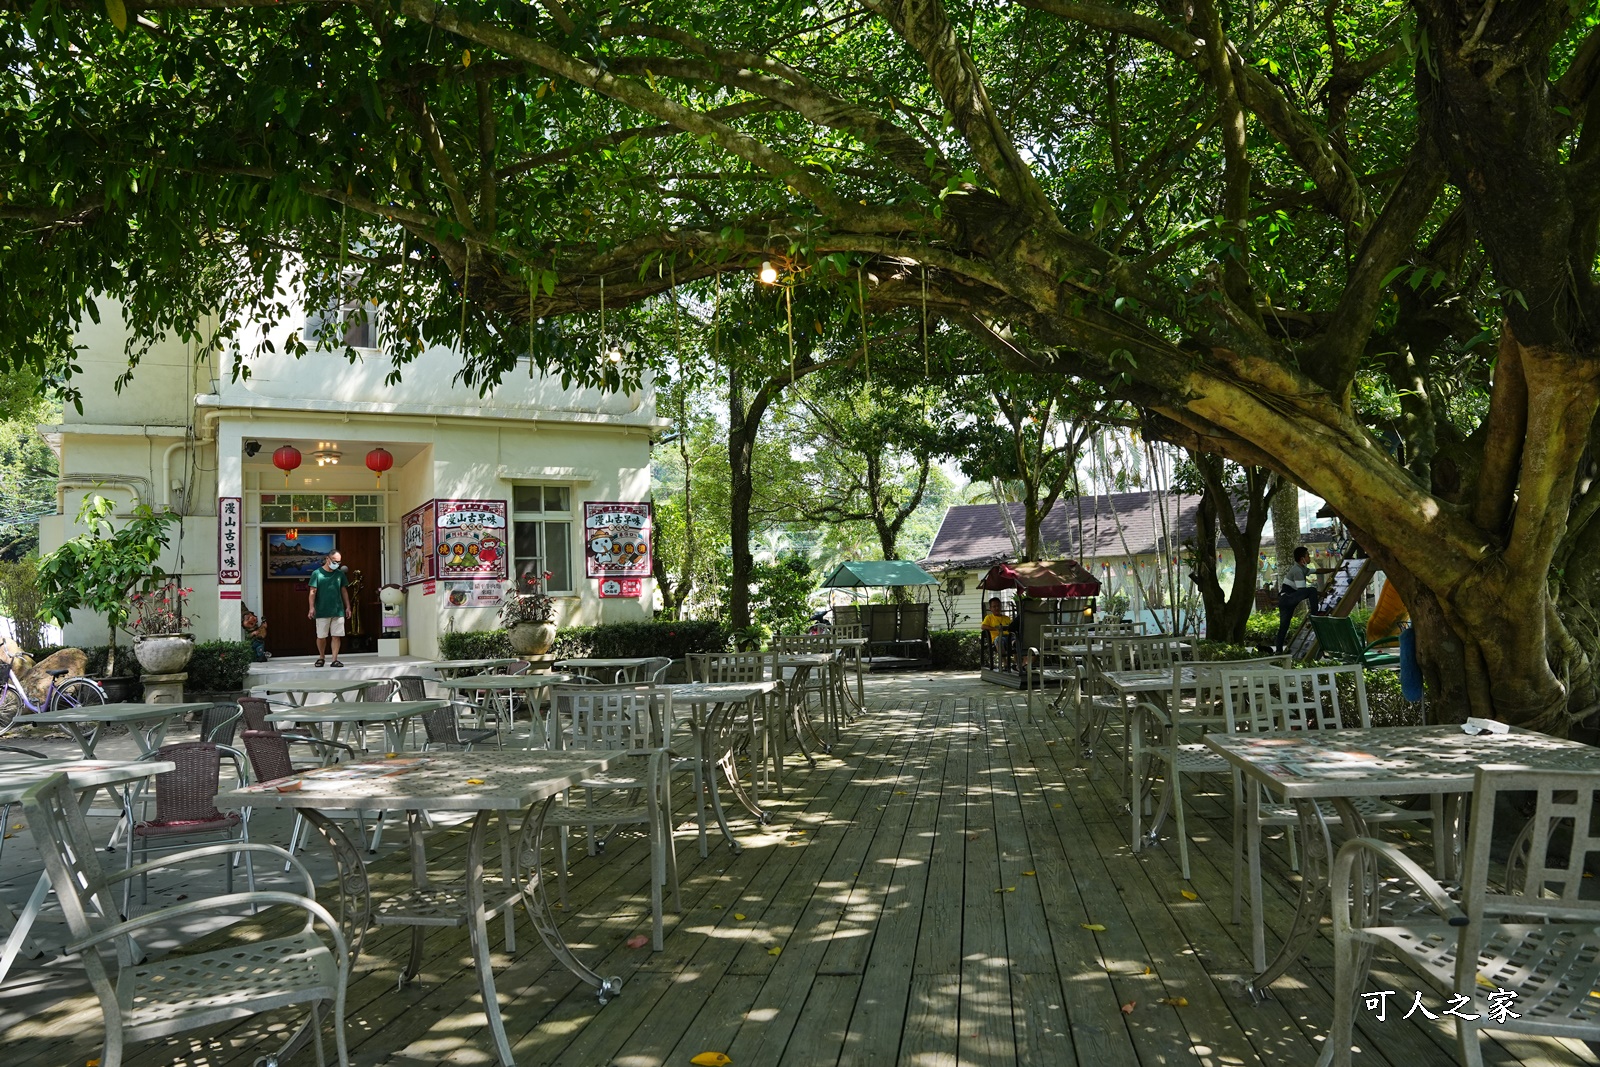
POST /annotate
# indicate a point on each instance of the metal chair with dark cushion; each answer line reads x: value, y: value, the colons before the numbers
x: 186, y: 806
x: 220, y: 722
x: 443, y: 727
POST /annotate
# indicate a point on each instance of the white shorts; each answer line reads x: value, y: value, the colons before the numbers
x: 333, y: 627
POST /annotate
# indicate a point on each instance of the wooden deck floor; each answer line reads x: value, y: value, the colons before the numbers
x: 922, y: 899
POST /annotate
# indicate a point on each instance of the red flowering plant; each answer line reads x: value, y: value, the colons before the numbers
x: 535, y: 605
x: 158, y: 610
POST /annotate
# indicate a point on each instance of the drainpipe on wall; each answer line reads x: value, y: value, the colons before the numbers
x: 138, y: 488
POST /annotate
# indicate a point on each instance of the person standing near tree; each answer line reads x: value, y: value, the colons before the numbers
x: 328, y: 602
x: 1297, y: 586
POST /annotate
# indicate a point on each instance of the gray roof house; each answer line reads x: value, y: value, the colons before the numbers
x: 1082, y: 528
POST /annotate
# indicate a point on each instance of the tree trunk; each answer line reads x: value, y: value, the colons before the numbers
x: 1285, y: 525
x: 1227, y: 614
x: 741, y: 454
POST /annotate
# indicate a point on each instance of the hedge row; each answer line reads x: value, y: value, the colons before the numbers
x: 956, y: 650
x: 665, y: 638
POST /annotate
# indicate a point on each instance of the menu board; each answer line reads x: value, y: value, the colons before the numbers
x: 416, y: 545
x: 471, y: 540
x: 616, y: 540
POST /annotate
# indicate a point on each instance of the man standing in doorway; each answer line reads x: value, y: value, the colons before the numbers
x: 329, y: 604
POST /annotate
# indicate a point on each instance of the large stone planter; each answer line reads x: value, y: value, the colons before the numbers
x: 531, y: 638
x: 163, y: 654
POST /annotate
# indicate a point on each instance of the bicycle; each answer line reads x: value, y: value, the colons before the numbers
x: 72, y: 693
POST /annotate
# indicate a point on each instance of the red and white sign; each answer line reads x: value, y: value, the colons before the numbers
x: 230, y: 594
x: 616, y: 540
x: 471, y: 540
x: 230, y: 541
x: 632, y: 588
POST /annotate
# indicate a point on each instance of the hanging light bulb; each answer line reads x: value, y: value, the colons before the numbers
x: 769, y: 273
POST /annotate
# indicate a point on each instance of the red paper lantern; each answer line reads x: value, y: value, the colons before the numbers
x: 379, y: 460
x: 286, y: 459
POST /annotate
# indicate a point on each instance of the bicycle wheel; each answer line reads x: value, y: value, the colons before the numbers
x: 76, y: 693
x: 10, y: 707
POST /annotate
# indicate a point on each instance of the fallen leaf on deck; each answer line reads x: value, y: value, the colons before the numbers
x: 1486, y: 983
x: 1055, y: 805
x: 901, y: 793
x: 716, y: 905
x: 1007, y: 889
x: 1176, y: 1002
x: 1405, y: 834
x: 638, y: 941
x: 391, y: 755
x: 775, y: 950
x: 1096, y: 927
x: 474, y: 781
x: 739, y: 915
x: 1148, y: 971
x: 1189, y: 894
x: 1127, y: 1009
x: 1028, y: 874
x: 91, y: 1063
x: 711, y: 1059
x: 972, y: 837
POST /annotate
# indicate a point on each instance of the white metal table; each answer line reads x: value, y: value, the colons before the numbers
x: 511, y: 684
x: 856, y: 648
x: 85, y: 777
x: 147, y: 723
x: 713, y: 709
x: 618, y: 664
x: 450, y: 668
x: 1130, y: 686
x: 831, y: 666
x: 394, y: 715
x: 485, y: 783
x: 1338, y: 766
x: 299, y: 690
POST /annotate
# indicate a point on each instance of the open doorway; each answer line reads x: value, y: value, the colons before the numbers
x: 286, y: 565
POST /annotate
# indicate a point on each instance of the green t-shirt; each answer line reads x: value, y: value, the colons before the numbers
x: 328, y: 586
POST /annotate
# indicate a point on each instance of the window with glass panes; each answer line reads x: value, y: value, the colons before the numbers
x: 541, y: 534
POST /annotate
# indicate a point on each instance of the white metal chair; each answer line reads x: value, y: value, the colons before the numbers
x: 1162, y: 742
x: 182, y: 992
x: 1532, y: 948
x: 1288, y: 701
x: 637, y: 722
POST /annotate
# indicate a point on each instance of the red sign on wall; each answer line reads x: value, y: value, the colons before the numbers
x: 621, y: 587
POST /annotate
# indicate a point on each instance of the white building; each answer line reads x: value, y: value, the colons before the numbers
x: 502, y: 481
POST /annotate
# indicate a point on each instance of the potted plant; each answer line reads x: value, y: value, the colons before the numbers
x: 157, y: 624
x: 530, y: 618
x: 99, y: 569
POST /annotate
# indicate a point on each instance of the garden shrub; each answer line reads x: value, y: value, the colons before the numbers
x: 671, y: 638
x: 956, y: 650
x: 219, y: 666
x: 780, y: 598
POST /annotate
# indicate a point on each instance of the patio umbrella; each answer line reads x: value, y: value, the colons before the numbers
x: 877, y: 573
x: 1043, y: 579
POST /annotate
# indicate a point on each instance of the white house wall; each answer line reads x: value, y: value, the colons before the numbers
x: 175, y: 436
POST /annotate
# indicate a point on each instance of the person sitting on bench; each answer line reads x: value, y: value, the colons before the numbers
x: 997, y: 625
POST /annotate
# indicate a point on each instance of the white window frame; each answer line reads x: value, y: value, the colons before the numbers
x: 544, y: 518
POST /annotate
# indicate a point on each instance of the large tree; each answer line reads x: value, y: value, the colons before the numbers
x: 1229, y: 216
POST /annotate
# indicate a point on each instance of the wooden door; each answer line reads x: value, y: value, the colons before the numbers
x: 284, y: 598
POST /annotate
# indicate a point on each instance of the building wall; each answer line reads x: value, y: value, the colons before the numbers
x: 176, y: 435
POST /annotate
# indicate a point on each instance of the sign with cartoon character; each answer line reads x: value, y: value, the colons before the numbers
x: 416, y: 545
x: 616, y: 540
x: 471, y: 536
x: 626, y: 588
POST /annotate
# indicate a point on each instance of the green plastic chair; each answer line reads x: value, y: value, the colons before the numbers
x: 1341, y: 641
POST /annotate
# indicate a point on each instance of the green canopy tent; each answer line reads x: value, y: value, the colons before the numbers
x: 876, y: 574
x: 901, y: 627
